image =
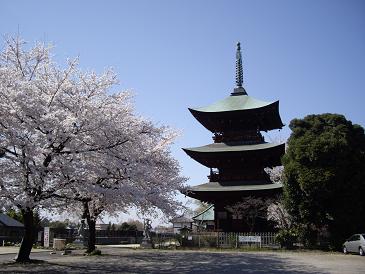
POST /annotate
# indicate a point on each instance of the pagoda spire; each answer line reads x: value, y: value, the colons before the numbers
x: 239, y: 71
x: 239, y: 90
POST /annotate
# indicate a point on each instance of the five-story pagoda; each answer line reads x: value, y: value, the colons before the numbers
x: 239, y: 154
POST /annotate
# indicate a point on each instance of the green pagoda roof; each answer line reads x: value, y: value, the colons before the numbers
x: 206, y: 215
x: 223, y: 147
x: 216, y: 191
x: 217, y: 186
x: 239, y: 112
x: 233, y: 103
x: 224, y: 155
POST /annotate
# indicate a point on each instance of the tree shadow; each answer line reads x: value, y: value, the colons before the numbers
x: 171, y: 262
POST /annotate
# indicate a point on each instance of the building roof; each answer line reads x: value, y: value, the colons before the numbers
x: 239, y: 113
x: 214, y: 192
x: 181, y: 219
x: 233, y: 103
x: 206, y: 215
x: 218, y: 186
x: 8, y: 221
x: 223, y: 147
x: 224, y: 155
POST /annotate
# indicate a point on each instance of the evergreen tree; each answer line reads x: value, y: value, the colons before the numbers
x: 324, y: 177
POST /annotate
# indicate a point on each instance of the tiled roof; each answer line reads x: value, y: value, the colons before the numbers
x: 181, y: 219
x: 8, y: 221
x: 205, y: 215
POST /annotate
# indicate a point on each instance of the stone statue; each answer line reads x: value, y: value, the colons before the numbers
x: 146, y: 241
x: 81, y: 232
x: 147, y: 228
x: 80, y: 239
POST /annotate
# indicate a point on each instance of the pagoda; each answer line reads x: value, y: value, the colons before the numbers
x: 239, y: 154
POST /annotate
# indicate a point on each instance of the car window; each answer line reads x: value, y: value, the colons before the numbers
x: 354, y: 238
x: 363, y: 235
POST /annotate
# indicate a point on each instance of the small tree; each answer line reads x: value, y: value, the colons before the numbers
x: 127, y: 227
x: 140, y: 173
x: 136, y: 223
x: 276, y: 174
x: 250, y: 209
x: 279, y: 215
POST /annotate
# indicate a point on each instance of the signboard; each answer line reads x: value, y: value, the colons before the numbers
x: 249, y: 239
x: 190, y: 238
x: 46, y: 237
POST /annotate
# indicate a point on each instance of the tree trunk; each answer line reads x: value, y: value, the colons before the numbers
x: 91, y: 231
x: 27, y: 242
x: 92, y: 236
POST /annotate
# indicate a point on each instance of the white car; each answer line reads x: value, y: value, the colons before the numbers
x: 355, y: 244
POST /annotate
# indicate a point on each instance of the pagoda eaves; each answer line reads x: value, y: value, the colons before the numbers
x: 221, y: 155
x: 239, y: 112
x: 213, y: 192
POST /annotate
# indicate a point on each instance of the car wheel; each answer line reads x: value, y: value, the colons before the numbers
x: 361, y: 251
x: 345, y: 250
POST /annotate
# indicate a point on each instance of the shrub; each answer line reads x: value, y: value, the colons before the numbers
x: 287, y: 237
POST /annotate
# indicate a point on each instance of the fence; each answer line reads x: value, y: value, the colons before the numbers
x: 104, y: 236
x: 165, y: 240
x: 255, y: 239
x: 218, y: 240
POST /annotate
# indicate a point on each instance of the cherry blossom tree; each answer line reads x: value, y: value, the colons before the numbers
x: 276, y: 174
x: 250, y: 209
x: 64, y: 130
x: 140, y: 174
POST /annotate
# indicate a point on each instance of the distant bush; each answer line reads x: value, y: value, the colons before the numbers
x: 287, y: 237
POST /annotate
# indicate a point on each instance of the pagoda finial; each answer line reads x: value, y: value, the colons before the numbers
x: 239, y: 90
x: 239, y: 72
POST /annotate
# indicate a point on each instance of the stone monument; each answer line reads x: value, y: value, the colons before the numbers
x: 146, y: 241
x: 80, y: 238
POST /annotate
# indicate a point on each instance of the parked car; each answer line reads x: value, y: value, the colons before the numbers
x: 355, y: 244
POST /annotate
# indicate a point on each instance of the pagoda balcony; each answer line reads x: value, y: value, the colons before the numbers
x: 232, y: 176
x: 242, y: 137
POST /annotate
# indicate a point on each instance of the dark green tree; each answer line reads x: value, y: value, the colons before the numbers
x: 17, y: 215
x: 58, y: 227
x: 127, y: 227
x: 324, y: 177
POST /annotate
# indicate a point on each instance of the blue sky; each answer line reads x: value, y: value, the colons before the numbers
x: 310, y: 55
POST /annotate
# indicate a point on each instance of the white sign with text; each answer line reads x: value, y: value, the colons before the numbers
x: 250, y: 239
x: 46, y: 237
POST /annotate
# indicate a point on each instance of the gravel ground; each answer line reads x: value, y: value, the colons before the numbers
x: 120, y: 260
